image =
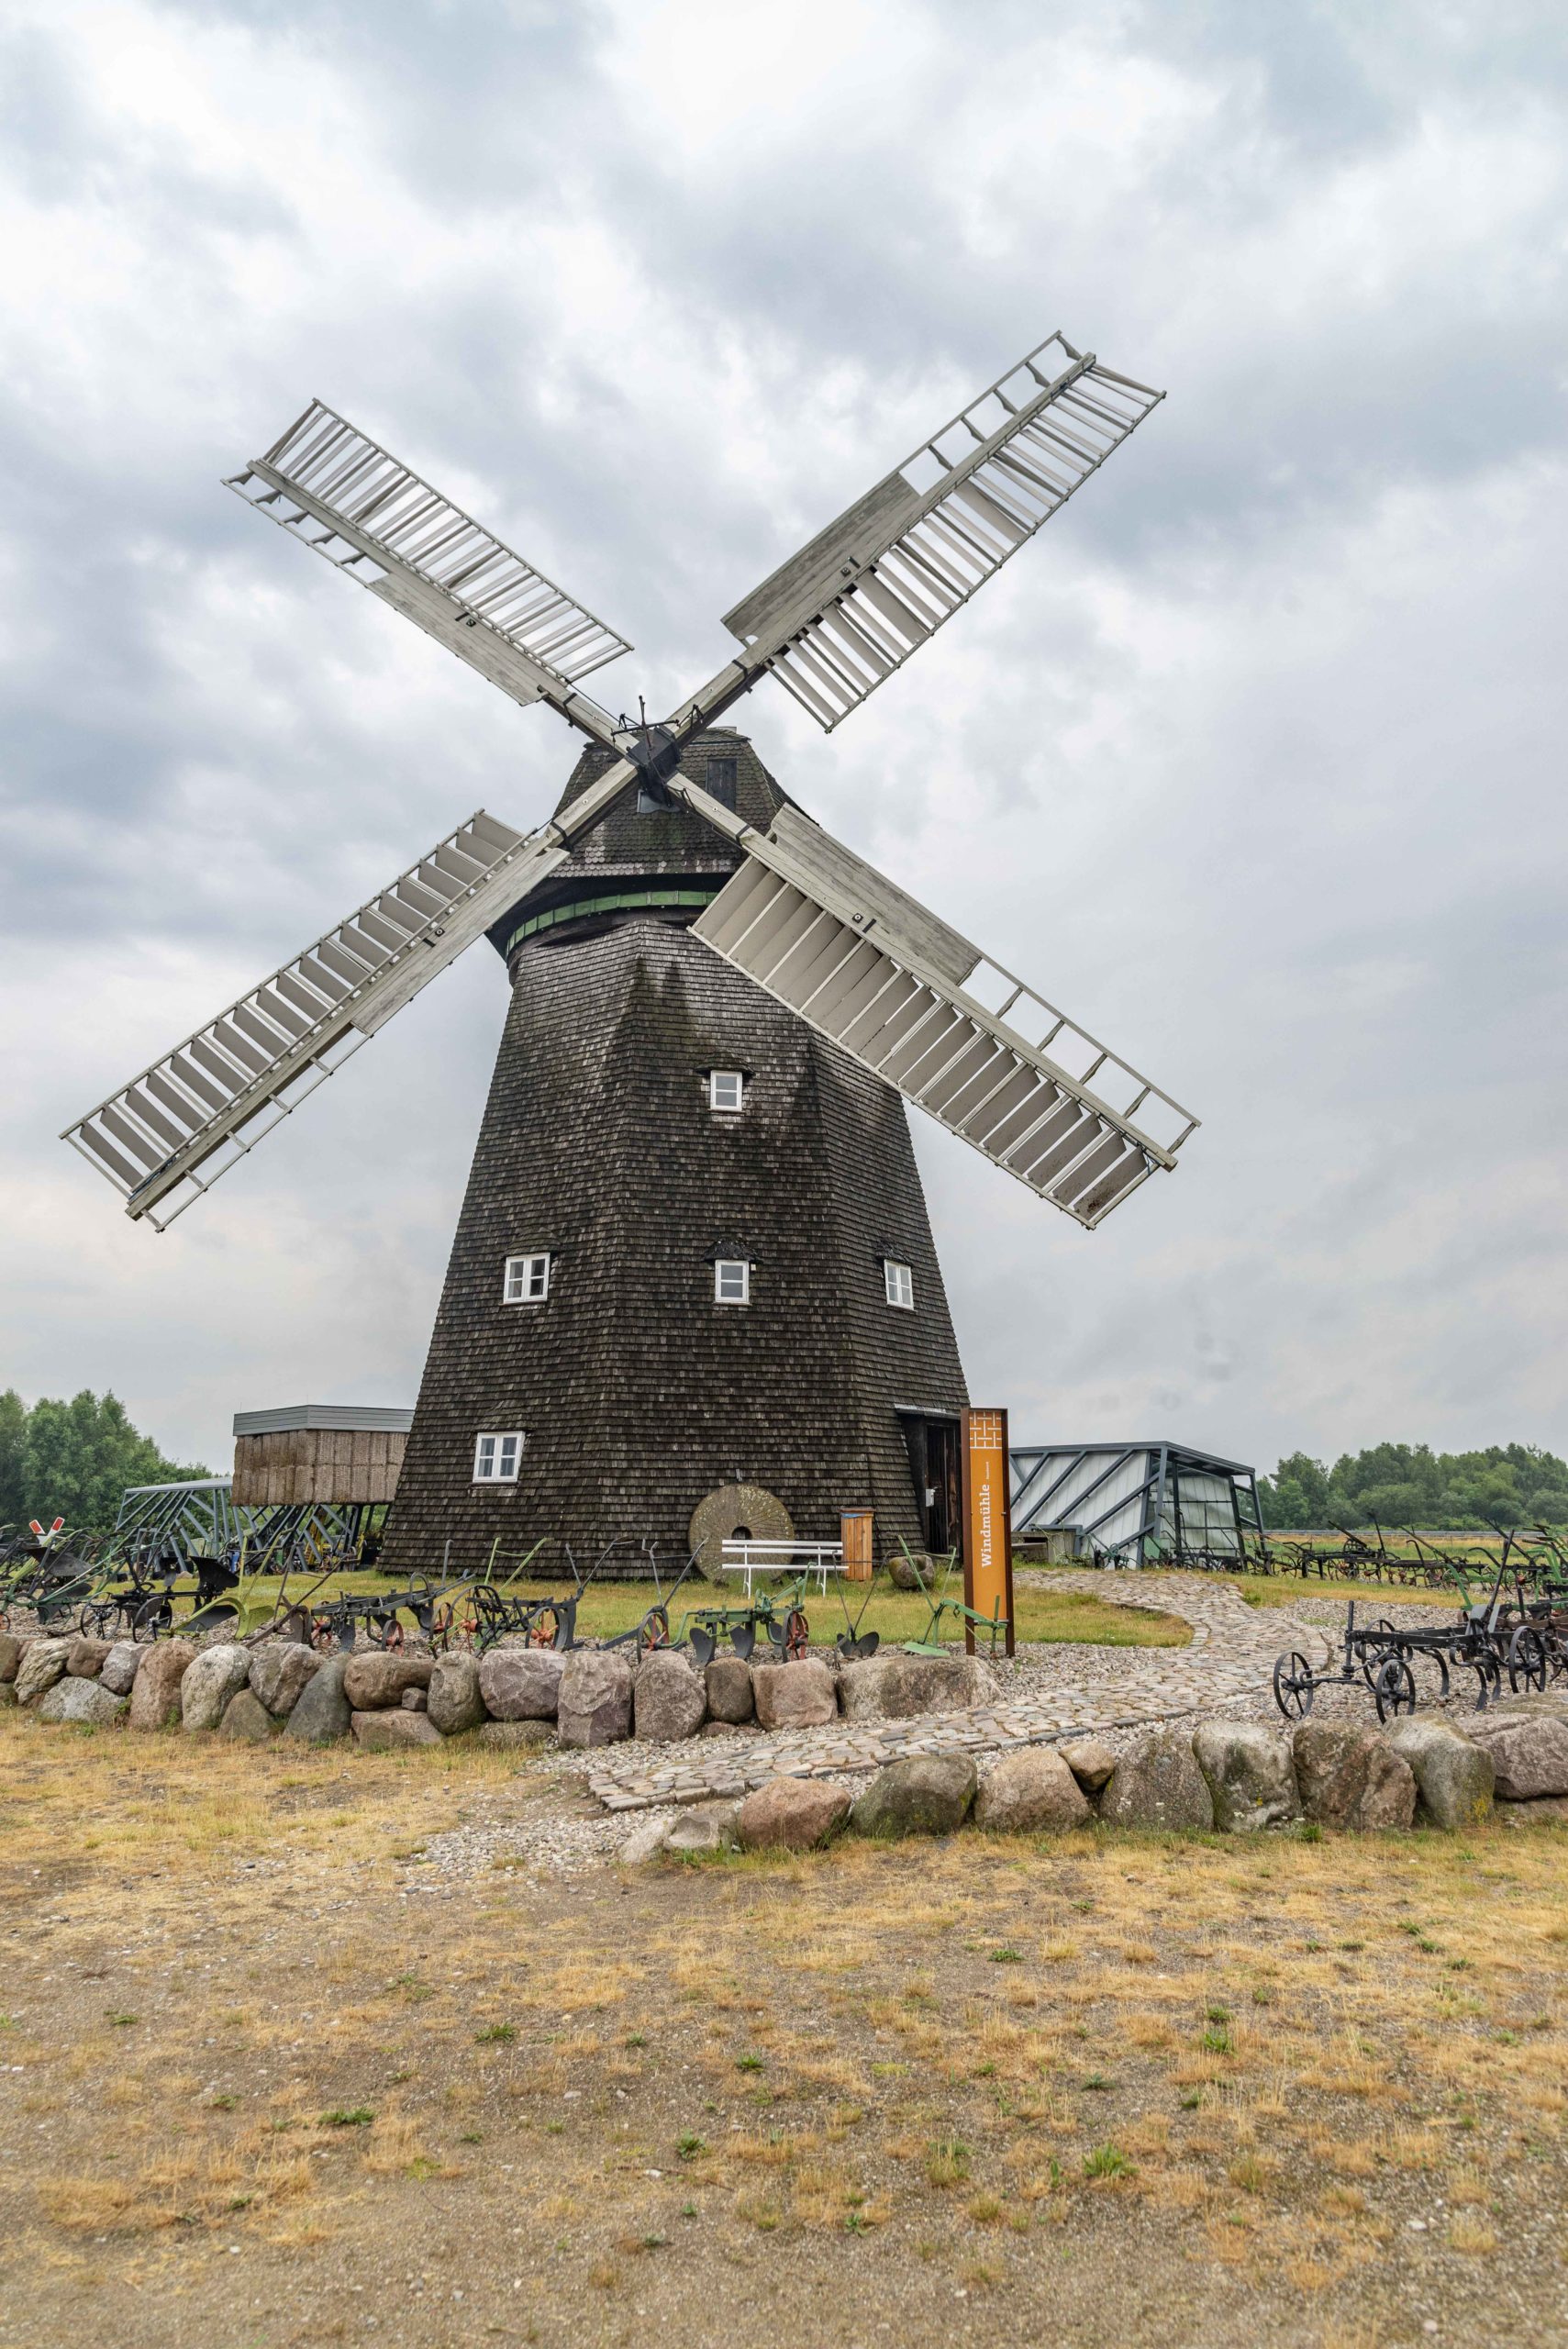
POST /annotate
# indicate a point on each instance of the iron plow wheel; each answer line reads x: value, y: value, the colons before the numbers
x: 1294, y: 1686
x: 1394, y: 1689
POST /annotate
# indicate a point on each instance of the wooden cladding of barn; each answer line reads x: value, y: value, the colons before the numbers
x: 318, y: 1452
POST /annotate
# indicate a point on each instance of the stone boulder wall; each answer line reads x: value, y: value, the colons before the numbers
x: 453, y: 1700
x: 514, y: 1736
x: 795, y: 1695
x: 42, y: 1663
x: 394, y: 1732
x: 595, y: 1706
x: 322, y: 1713
x: 669, y: 1699
x: 155, y: 1696
x: 1249, y: 1774
x: 1455, y: 1775
x: 791, y: 1815
x: 1091, y: 1761
x: 521, y: 1683
x: 1529, y: 1750
x: 1030, y: 1792
x: 728, y: 1683
x: 279, y: 1671
x: 217, y: 1674
x: 1349, y: 1777
x: 246, y: 1719
x: 926, y: 1794
x: 1157, y: 1783
x: 86, y: 1658
x: 898, y: 1687
x: 119, y: 1666
x: 84, y: 1701
x: 375, y: 1683
x: 10, y: 1656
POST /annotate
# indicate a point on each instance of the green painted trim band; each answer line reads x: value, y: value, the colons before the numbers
x: 628, y: 901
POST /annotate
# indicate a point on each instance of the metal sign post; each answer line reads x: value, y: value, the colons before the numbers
x: 987, y: 1522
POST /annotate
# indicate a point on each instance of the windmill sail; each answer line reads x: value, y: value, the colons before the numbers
x: 350, y: 500
x: 850, y: 608
x: 919, y: 1005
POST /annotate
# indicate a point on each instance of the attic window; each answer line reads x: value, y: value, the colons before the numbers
x: 732, y: 1281
x: 898, y: 1283
x: 720, y: 785
x: 527, y: 1281
x: 497, y: 1458
x: 726, y: 1091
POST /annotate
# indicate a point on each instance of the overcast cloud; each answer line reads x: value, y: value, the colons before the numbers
x: 1254, y: 762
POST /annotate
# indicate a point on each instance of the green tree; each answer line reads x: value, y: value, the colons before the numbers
x: 78, y: 1458
x: 13, y: 1450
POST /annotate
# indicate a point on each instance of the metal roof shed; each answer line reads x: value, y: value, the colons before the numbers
x: 1134, y: 1504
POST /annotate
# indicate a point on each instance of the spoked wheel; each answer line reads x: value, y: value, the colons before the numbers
x: 153, y: 1617
x: 1294, y: 1686
x: 1394, y: 1689
x: 1527, y: 1659
x: 656, y: 1629
x: 797, y: 1634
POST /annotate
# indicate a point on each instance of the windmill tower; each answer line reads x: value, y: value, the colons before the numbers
x: 694, y: 1269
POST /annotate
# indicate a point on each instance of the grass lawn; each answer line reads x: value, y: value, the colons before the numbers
x: 270, y: 2080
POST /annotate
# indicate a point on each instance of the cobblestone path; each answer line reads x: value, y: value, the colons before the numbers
x: 1059, y: 1691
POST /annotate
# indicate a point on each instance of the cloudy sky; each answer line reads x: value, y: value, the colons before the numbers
x: 1255, y: 761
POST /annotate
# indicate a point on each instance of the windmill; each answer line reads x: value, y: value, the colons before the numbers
x: 715, y: 1007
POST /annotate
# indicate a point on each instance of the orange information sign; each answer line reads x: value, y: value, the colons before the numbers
x: 987, y: 1522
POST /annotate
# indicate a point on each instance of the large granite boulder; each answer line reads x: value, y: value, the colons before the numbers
x: 669, y: 1699
x: 1529, y: 1750
x: 522, y: 1684
x: 280, y: 1670
x: 1349, y: 1777
x: 322, y: 1713
x: 595, y: 1706
x: 926, y: 1794
x: 795, y: 1695
x: 514, y: 1736
x: 86, y: 1660
x: 42, y: 1663
x: 1091, y: 1761
x: 1157, y: 1783
x: 899, y: 1687
x: 791, y: 1815
x: 10, y: 1655
x: 245, y: 1721
x: 453, y: 1700
x: 728, y: 1681
x: 374, y: 1682
x: 1030, y: 1792
x: 80, y: 1700
x: 217, y: 1674
x: 119, y: 1666
x: 1455, y: 1775
x: 392, y: 1730
x: 155, y: 1697
x: 1250, y: 1775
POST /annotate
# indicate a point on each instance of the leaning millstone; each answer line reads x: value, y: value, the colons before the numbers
x: 791, y: 1815
x: 80, y: 1700
x: 246, y: 1719
x: 1351, y: 1777
x: 1455, y: 1777
x: 644, y: 1843
x: 1091, y: 1761
x: 279, y: 1672
x: 217, y: 1674
x: 795, y: 1695
x: 374, y: 1680
x: 43, y: 1662
x: 1157, y: 1783
x: 455, y: 1703
x: 899, y: 1687
x: 1529, y: 1753
x: 926, y: 1794
x: 521, y: 1683
x: 1029, y: 1792
x: 509, y: 1735
x: 727, y: 1680
x: 393, y: 1732
x: 595, y: 1705
x: 121, y: 1666
x: 669, y: 1699
x: 710, y: 1828
x: 155, y: 1699
x: 322, y: 1713
x: 1251, y: 1779
x: 10, y: 1655
x: 86, y: 1658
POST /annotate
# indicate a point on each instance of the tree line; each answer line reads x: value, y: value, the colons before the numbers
x: 75, y: 1459
x: 1404, y: 1484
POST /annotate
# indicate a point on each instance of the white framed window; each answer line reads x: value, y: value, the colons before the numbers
x: 733, y: 1281
x: 899, y: 1282
x: 497, y: 1458
x: 726, y: 1091
x: 527, y: 1281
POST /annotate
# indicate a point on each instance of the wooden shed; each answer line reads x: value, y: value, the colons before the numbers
x: 345, y: 1454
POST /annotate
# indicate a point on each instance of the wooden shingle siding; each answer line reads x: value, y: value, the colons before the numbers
x: 639, y: 1394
